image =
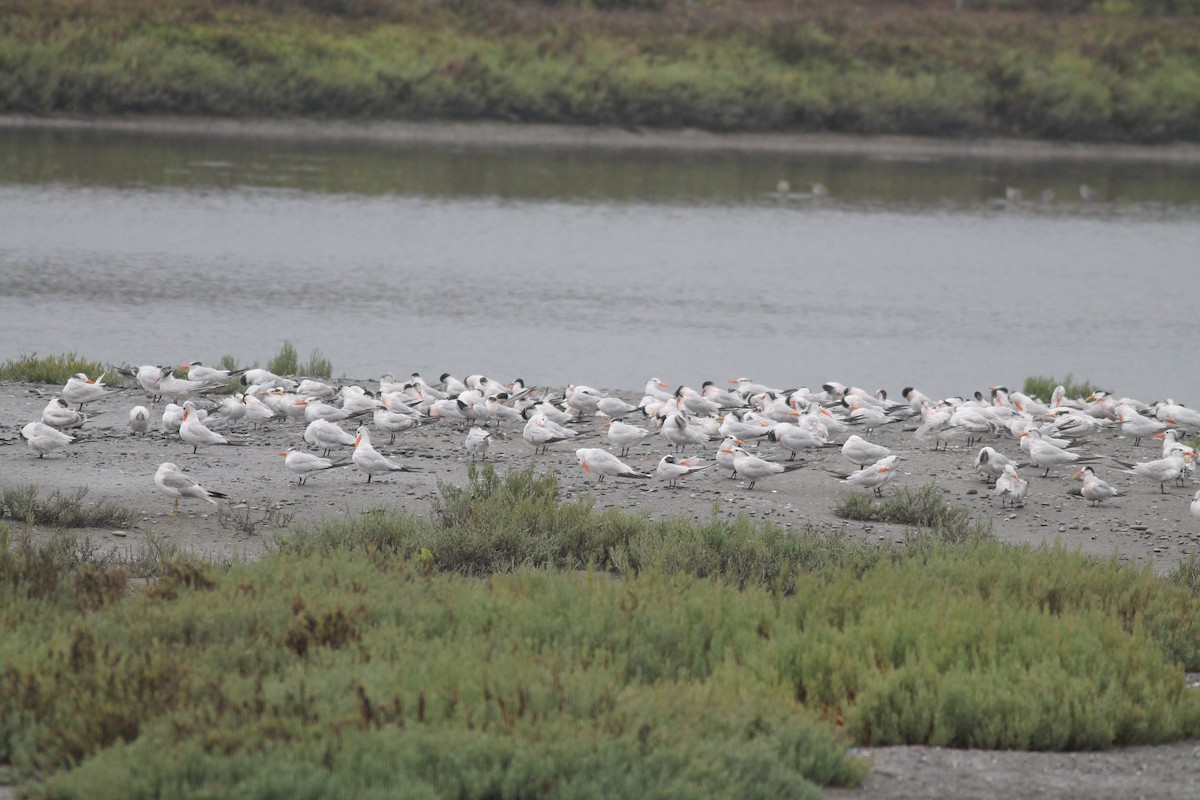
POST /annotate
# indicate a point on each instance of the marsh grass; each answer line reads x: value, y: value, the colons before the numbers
x: 63, y: 509
x: 359, y: 659
x: 55, y: 369
x: 287, y: 362
x: 1011, y: 69
x: 924, y: 508
x: 1042, y: 387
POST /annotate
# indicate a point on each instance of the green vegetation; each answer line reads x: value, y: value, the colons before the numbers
x: 49, y: 369
x: 287, y: 362
x: 925, y: 508
x: 594, y: 656
x: 1042, y: 387
x: 1104, y: 71
x: 62, y: 510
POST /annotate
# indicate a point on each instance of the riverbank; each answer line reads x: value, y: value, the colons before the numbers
x: 531, y: 136
x: 1097, y: 73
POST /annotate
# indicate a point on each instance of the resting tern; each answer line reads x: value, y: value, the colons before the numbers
x: 1093, y: 488
x: 990, y: 463
x: 726, y: 456
x: 303, y: 463
x: 327, y: 435
x: 1044, y: 454
x: 172, y: 418
x: 148, y: 377
x: 614, y: 407
x: 193, y: 431
x: 370, y: 460
x: 1175, y: 414
x: 604, y: 464
x: 139, y: 420
x: 755, y: 468
x: 722, y: 397
x: 198, y: 372
x: 539, y: 433
x: 671, y: 469
x: 1011, y: 487
x: 80, y: 389
x: 477, y: 442
x: 316, y: 390
x: 58, y: 414
x: 678, y: 431
x: 43, y: 439
x: 392, y: 422
x: 625, y: 435
x: 176, y: 483
x: 875, y: 476
x: 1161, y: 470
x: 860, y: 452
x: 264, y: 377
x: 1135, y: 425
x: 793, y: 438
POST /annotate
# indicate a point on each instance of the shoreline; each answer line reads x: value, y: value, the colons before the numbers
x: 522, y: 136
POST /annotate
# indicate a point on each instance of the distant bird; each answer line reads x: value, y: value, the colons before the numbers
x: 1195, y: 507
x: 139, y: 420
x: 174, y: 482
x: 754, y: 468
x: 1094, y: 489
x: 42, y: 438
x: 671, y: 469
x: 602, y: 463
x: 172, y: 418
x: 539, y: 433
x: 303, y: 464
x: 477, y: 442
x: 1086, y: 193
x: 370, y: 460
x: 614, y: 407
x: 393, y: 422
x: 1011, y: 487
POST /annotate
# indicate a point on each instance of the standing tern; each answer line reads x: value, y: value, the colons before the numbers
x: 604, y: 464
x: 860, y: 452
x: 477, y: 442
x: 80, y: 389
x: 139, y: 420
x: 303, y: 463
x: 755, y: 468
x: 671, y: 469
x: 193, y: 431
x: 327, y: 435
x: 176, y: 483
x: 1011, y: 487
x: 625, y: 435
x: 1093, y: 488
x: 42, y: 438
x: 875, y: 476
x: 370, y: 460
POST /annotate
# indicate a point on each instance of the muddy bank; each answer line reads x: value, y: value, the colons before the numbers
x: 529, y: 136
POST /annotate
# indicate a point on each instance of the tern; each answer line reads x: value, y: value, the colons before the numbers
x: 193, y: 431
x: 370, y: 460
x: 42, y: 438
x: 990, y: 463
x: 59, y: 414
x: 174, y: 482
x: 625, y: 435
x: 605, y: 464
x: 860, y: 452
x: 477, y: 442
x: 327, y: 435
x: 139, y: 420
x: 1161, y: 470
x: 755, y: 468
x: 1011, y: 487
x: 303, y: 464
x: 875, y: 476
x: 678, y: 431
x: 1094, y: 489
x: 671, y: 469
x: 1195, y: 506
x: 80, y: 389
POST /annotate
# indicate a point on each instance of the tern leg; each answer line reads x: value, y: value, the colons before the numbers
x: 175, y: 511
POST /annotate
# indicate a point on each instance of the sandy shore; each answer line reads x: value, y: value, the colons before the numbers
x: 527, y: 136
x: 1141, y: 527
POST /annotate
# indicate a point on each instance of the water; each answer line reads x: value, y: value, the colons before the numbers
x: 599, y: 268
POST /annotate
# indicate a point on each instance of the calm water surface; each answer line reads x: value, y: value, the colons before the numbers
x: 600, y: 268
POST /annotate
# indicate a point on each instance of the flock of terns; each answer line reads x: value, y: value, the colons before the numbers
x: 200, y: 409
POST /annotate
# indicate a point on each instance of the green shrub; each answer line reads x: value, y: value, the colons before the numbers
x: 55, y: 369
x: 1042, y: 387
